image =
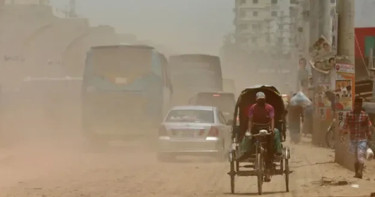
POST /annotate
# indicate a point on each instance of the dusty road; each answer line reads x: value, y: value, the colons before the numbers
x: 65, y: 168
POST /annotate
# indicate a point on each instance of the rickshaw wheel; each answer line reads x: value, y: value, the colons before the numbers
x: 287, y: 171
x: 330, y: 139
x: 259, y: 164
x: 232, y: 172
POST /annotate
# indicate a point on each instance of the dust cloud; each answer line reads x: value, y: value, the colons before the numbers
x: 42, y: 58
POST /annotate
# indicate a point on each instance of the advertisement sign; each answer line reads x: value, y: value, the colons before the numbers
x: 344, y: 87
x: 343, y: 95
x: 345, y: 69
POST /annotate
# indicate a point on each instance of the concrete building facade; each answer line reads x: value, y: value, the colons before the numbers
x: 308, y: 20
x: 263, y: 25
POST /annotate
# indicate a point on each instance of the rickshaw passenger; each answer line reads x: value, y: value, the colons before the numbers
x: 261, y: 114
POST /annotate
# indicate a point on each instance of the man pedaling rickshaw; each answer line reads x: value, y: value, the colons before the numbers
x: 261, y: 116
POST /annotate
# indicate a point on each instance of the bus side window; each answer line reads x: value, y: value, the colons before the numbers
x: 166, y: 77
x: 164, y: 74
x: 157, y: 64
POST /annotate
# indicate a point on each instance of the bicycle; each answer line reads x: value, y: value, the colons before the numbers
x: 260, y: 151
x: 330, y: 135
x: 331, y: 131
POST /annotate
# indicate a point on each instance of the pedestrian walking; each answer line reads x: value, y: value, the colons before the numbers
x: 357, y: 124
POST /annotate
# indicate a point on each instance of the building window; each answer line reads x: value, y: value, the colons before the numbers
x: 333, y: 12
x: 293, y: 12
x: 255, y: 26
x: 293, y: 1
x: 255, y: 1
x: 242, y: 27
x: 274, y: 1
x: 254, y: 40
x: 242, y: 2
x: 242, y: 13
x: 333, y: 1
x: 268, y: 38
x: 241, y: 39
x: 274, y: 13
x: 255, y: 13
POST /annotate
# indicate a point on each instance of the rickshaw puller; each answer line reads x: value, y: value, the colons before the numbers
x: 260, y: 114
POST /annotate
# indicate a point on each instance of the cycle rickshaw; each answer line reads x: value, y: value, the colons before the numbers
x: 251, y: 163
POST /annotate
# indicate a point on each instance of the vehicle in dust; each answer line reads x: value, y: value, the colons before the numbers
x: 194, y: 130
x: 193, y: 73
x: 229, y: 85
x: 125, y: 91
x: 225, y: 101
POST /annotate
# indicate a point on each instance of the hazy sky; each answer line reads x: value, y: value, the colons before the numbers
x: 365, y: 13
x: 187, y: 25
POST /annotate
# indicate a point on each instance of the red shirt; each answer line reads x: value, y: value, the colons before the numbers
x: 358, y: 125
x: 261, y: 114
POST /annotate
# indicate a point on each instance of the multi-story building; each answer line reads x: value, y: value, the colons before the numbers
x: 263, y: 25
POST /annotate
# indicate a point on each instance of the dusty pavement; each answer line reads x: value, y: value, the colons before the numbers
x: 65, y: 168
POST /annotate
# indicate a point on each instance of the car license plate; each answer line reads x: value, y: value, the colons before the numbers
x: 186, y: 133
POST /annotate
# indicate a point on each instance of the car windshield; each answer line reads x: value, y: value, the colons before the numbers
x: 194, y: 116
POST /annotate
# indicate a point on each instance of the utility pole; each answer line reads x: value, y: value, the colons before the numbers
x: 325, y: 19
x: 320, y: 20
x: 320, y: 25
x: 314, y: 21
x: 345, y: 9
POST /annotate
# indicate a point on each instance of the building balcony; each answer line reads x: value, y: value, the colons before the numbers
x: 252, y: 19
x: 256, y: 6
x: 247, y: 33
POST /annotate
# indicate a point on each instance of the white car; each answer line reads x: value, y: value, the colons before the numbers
x: 194, y: 130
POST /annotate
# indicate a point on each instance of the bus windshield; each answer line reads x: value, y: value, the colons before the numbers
x: 225, y: 102
x: 197, y: 72
x: 120, y: 64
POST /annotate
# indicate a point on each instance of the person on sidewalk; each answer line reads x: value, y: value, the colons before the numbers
x: 357, y: 124
x: 308, y: 119
x: 303, y: 75
x: 295, y: 115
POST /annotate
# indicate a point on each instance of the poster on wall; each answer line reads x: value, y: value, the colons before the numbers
x: 343, y: 95
x: 344, y: 87
x: 322, y: 86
